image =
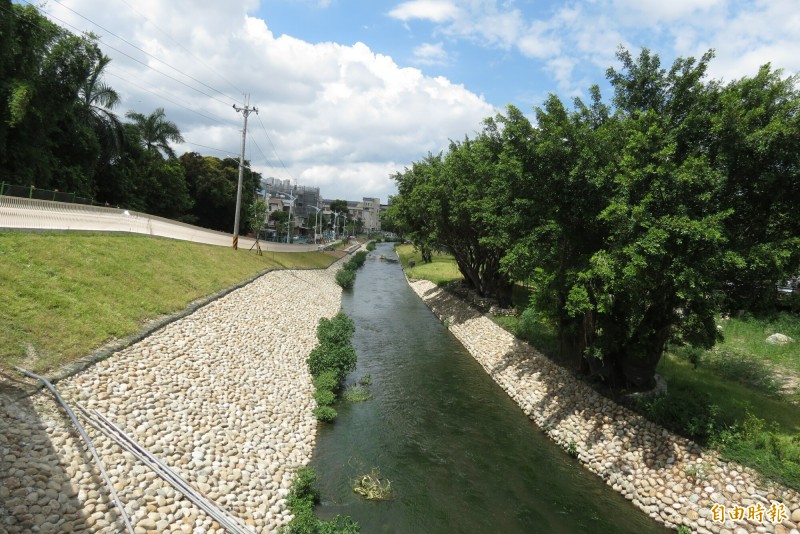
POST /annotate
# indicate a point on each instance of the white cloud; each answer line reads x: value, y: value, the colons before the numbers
x: 432, y: 10
x: 574, y: 43
x: 655, y: 11
x: 340, y: 117
x: 431, y: 54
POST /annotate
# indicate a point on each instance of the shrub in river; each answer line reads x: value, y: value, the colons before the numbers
x: 331, y: 361
x: 359, y: 258
x: 371, y: 246
x: 345, y: 278
x: 326, y: 414
x: 324, y: 397
x: 340, y: 359
x: 301, y: 500
x: 326, y: 380
x: 337, y: 330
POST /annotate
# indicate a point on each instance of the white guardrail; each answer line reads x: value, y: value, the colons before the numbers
x: 32, y: 214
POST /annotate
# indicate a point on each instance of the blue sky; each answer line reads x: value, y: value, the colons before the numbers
x: 350, y: 92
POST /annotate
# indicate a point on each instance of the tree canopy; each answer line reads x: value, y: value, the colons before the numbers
x: 637, y: 222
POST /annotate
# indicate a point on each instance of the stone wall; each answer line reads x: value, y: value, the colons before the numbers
x: 672, y: 479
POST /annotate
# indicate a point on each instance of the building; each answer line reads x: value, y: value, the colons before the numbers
x: 366, y: 211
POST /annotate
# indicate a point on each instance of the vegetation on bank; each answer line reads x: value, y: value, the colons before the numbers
x: 346, y: 276
x: 441, y: 269
x: 301, y: 500
x: 65, y: 294
x: 331, y: 361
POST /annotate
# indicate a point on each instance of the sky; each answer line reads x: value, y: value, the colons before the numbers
x: 350, y: 92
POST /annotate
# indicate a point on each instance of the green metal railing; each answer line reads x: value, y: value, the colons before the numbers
x: 32, y: 192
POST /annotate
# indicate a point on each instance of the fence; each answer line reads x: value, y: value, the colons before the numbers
x: 31, y: 192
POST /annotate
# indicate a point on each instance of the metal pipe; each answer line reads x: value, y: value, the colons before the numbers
x: 88, y: 442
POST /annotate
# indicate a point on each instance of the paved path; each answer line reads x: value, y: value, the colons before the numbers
x: 223, y: 396
x: 672, y: 479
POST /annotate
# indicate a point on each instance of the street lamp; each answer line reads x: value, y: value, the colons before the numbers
x: 335, y: 226
x: 291, y: 205
x: 318, y: 223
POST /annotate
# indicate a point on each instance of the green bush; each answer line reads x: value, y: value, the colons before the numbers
x: 324, y: 397
x: 337, y: 330
x: 326, y: 414
x: 327, y: 380
x: 371, y: 246
x: 329, y: 357
x: 359, y: 258
x: 346, y: 278
x: 303, y: 488
x: 301, y: 500
x: 685, y: 412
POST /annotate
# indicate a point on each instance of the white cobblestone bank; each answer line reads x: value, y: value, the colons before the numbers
x: 670, y: 478
x: 222, y: 396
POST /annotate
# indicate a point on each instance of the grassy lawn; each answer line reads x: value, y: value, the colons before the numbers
x: 729, y: 397
x: 442, y: 269
x: 64, y: 294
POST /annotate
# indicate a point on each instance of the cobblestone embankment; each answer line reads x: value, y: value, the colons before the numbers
x: 222, y: 396
x: 671, y: 478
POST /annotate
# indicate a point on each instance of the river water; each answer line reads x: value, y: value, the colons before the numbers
x: 460, y: 455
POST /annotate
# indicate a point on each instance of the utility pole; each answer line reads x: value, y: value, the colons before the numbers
x: 245, y: 111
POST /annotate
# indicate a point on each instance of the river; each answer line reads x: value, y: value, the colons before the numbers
x: 460, y: 454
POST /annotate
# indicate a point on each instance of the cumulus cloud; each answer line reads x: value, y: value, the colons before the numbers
x: 431, y: 54
x: 339, y: 117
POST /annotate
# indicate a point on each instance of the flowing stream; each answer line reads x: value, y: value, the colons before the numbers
x: 460, y: 455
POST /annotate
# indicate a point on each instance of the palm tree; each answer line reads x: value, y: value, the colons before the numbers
x: 155, y: 131
x: 97, y: 100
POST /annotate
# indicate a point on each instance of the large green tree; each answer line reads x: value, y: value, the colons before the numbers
x: 43, y: 139
x: 756, y: 134
x: 449, y: 203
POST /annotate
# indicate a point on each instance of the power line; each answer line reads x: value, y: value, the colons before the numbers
x: 141, y: 50
x: 273, y: 147
x: 215, y: 119
x: 226, y: 152
x: 168, y: 36
x: 135, y: 59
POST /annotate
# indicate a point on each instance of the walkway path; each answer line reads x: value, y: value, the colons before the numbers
x: 669, y: 477
x: 222, y: 396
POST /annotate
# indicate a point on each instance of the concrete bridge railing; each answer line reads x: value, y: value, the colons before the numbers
x: 33, y: 214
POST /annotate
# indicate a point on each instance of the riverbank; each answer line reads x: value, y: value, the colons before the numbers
x: 222, y: 396
x: 672, y: 479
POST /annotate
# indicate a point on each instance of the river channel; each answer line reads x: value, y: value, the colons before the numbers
x: 460, y: 455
